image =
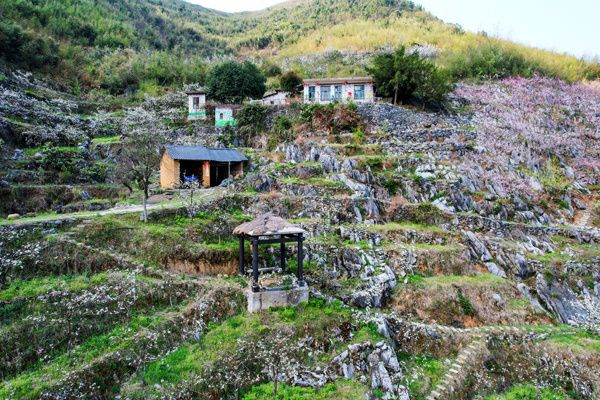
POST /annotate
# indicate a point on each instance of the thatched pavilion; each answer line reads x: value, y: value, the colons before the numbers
x: 269, y: 229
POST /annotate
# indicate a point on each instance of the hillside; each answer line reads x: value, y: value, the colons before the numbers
x: 449, y: 256
x: 450, y: 253
x: 122, y: 47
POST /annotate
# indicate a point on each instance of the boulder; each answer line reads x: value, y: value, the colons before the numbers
x: 13, y: 216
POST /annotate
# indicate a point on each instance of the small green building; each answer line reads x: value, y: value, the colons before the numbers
x: 225, y: 114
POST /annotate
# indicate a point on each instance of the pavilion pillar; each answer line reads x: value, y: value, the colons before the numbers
x: 300, y: 260
x: 255, y: 262
x: 242, y: 260
x: 206, y: 173
x: 283, y: 256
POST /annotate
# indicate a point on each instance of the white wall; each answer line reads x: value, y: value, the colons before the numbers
x: 191, y: 101
x: 347, y: 93
x: 277, y: 99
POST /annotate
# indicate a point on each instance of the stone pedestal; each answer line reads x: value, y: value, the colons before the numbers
x: 276, y: 298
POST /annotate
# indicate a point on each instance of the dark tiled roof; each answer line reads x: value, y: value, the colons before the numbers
x: 330, y: 81
x: 197, y: 153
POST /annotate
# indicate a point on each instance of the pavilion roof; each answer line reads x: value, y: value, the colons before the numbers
x: 266, y: 225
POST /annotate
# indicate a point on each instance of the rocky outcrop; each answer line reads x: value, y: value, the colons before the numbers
x: 375, y: 364
x: 581, y: 309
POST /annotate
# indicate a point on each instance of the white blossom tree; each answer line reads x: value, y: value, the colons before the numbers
x: 143, y: 137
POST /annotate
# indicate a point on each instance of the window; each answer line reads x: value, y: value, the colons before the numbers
x: 195, y: 103
x: 359, y: 92
x: 311, y: 93
x: 220, y: 116
x: 325, y: 93
x: 337, y: 92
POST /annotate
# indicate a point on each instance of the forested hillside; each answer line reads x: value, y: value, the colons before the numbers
x: 132, y: 46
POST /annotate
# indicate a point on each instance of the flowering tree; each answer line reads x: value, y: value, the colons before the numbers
x: 143, y: 137
x: 272, y: 354
x: 525, y: 126
x: 189, y: 186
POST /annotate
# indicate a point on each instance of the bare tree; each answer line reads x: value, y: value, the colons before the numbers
x: 143, y: 137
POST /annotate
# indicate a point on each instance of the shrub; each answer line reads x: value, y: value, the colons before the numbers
x: 289, y: 81
x: 57, y: 160
x: 282, y: 131
x: 491, y: 61
x: 332, y: 117
x: 409, y: 77
x: 270, y: 69
x: 251, y: 120
x: 465, y: 303
x: 358, y: 137
x: 22, y: 48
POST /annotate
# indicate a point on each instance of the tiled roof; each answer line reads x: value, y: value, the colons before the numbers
x: 198, y: 153
x: 332, y: 81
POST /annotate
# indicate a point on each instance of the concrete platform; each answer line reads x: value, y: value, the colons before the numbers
x: 276, y: 298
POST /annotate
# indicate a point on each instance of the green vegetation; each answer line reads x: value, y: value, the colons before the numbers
x: 251, y: 120
x: 106, y: 140
x: 406, y: 226
x: 21, y: 48
x: 173, y: 237
x: 290, y: 81
x: 220, y: 339
x: 282, y: 131
x: 37, y: 286
x: 465, y: 303
x: 315, y: 181
x: 341, y: 389
x: 231, y: 83
x: 577, y: 341
x: 530, y: 392
x: 475, y: 280
x: 425, y: 373
x: 31, y: 384
x: 409, y: 77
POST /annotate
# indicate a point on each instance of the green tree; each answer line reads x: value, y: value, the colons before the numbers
x: 231, y: 82
x: 409, y: 77
x: 289, y: 81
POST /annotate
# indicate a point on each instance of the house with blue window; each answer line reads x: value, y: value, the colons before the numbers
x: 326, y: 90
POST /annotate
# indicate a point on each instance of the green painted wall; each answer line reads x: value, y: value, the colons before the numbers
x: 224, y: 117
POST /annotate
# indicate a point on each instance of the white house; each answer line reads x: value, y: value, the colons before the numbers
x: 325, y: 90
x: 275, y: 98
x: 196, y: 104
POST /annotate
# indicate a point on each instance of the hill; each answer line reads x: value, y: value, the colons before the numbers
x: 143, y: 45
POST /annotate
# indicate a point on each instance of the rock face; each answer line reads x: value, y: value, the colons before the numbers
x: 259, y: 182
x: 582, y: 310
x: 375, y: 364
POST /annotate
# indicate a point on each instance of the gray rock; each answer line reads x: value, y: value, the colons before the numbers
x: 259, y: 182
x: 494, y: 269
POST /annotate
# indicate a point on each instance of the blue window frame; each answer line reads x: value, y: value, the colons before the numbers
x: 359, y: 92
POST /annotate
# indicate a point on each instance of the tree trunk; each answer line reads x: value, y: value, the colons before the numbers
x: 396, y: 96
x: 145, y: 212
